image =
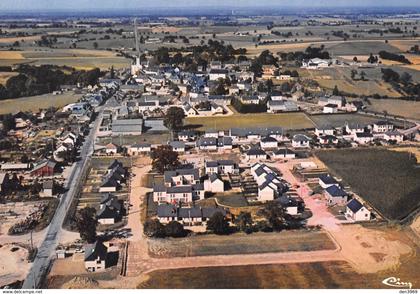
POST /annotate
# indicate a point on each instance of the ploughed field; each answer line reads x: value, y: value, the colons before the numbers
x: 205, y: 245
x: 388, y: 180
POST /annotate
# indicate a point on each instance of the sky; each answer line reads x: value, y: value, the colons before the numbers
x: 138, y: 4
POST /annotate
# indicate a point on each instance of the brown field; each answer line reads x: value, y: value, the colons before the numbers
x: 34, y: 103
x: 317, y: 275
x: 409, y: 109
x: 11, y: 55
x: 205, y: 245
x: 19, y: 39
x: 4, y: 76
x: 403, y: 45
x: 78, y: 58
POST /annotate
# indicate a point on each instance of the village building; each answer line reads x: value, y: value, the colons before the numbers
x: 45, y: 168
x: 214, y: 184
x: 96, y: 257
x: 356, y: 211
x: 110, y: 210
x: 301, y: 141
x: 335, y: 195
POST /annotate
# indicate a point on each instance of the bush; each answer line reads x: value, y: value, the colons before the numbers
x: 218, y: 224
x: 175, y: 229
x: 154, y: 229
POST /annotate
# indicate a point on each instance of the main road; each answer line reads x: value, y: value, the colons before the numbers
x: 46, y: 250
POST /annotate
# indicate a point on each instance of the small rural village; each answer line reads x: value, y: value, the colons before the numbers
x: 193, y: 156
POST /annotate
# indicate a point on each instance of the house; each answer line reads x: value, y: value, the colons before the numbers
x: 15, y: 167
x: 224, y: 143
x: 315, y: 63
x: 174, y: 194
x: 114, y: 177
x: 187, y: 136
x: 326, y: 181
x: 271, y: 188
x: 354, y: 128
x: 330, y: 108
x: 177, y: 146
x: 284, y: 153
x: 48, y: 189
x: 335, y: 195
x: 223, y: 167
x: 281, y: 106
x: 293, y: 205
x: 45, y: 168
x: 255, y: 134
x: 255, y: 154
x: 356, y: 211
x: 325, y: 130
x: 181, y: 177
x: 139, y: 148
x: 301, y: 141
x: 187, y: 215
x: 394, y: 136
x: 363, y: 138
x: 126, y: 127
x: 382, y: 127
x: 189, y: 110
x: 110, y: 210
x: 250, y: 99
x: 339, y: 101
x: 216, y: 74
x: 214, y: 184
x: 328, y: 140
x: 207, y: 143
x: 268, y: 143
x: 96, y: 257
x: 111, y: 149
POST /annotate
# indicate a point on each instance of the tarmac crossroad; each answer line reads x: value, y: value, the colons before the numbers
x: 47, y: 248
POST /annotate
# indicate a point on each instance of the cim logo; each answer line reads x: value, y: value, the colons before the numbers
x: 396, y: 283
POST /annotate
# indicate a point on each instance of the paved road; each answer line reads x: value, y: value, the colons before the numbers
x: 47, y: 248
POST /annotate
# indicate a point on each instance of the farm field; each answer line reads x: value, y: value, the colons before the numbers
x: 340, y: 120
x: 241, y: 244
x: 388, y: 180
x: 318, y: 275
x: 34, y: 103
x: 4, y: 76
x: 262, y: 120
x: 150, y: 138
x: 78, y: 58
x: 409, y: 109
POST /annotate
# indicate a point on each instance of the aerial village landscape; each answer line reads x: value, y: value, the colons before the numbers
x: 230, y: 149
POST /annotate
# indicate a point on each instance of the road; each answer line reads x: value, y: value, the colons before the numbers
x: 47, y: 248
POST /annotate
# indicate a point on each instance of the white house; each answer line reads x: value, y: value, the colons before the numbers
x: 356, y: 211
x: 214, y: 184
x: 326, y: 181
x: 111, y: 149
x: 268, y: 143
x: 335, y: 196
x: 326, y: 130
x: 330, y: 108
x: 394, y: 136
x: 177, y: 146
x: 216, y: 74
x: 363, y: 138
x: 139, y: 148
x: 382, y: 127
x: 255, y: 154
x: 95, y: 257
x: 301, y: 141
x: 284, y: 153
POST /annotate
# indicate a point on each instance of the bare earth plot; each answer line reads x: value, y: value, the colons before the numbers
x: 241, y: 244
x: 34, y: 103
x: 4, y: 76
x: 262, y: 120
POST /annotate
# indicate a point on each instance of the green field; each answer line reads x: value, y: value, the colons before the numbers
x: 241, y: 244
x: 388, y: 180
x: 34, y: 103
x: 286, y: 120
x: 340, y: 120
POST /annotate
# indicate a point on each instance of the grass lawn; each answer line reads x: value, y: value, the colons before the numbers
x: 340, y: 120
x: 296, y: 120
x: 34, y: 103
x: 241, y: 244
x: 233, y: 200
x: 388, y: 180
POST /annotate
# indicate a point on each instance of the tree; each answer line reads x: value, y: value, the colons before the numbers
x: 336, y: 92
x: 362, y: 75
x: 175, y: 229
x: 95, y: 45
x: 355, y: 59
x: 406, y: 78
x: 86, y: 224
x: 218, y: 224
x: 174, y: 117
x: 275, y: 214
x: 164, y: 158
x: 244, y: 221
x: 154, y: 229
x: 9, y: 122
